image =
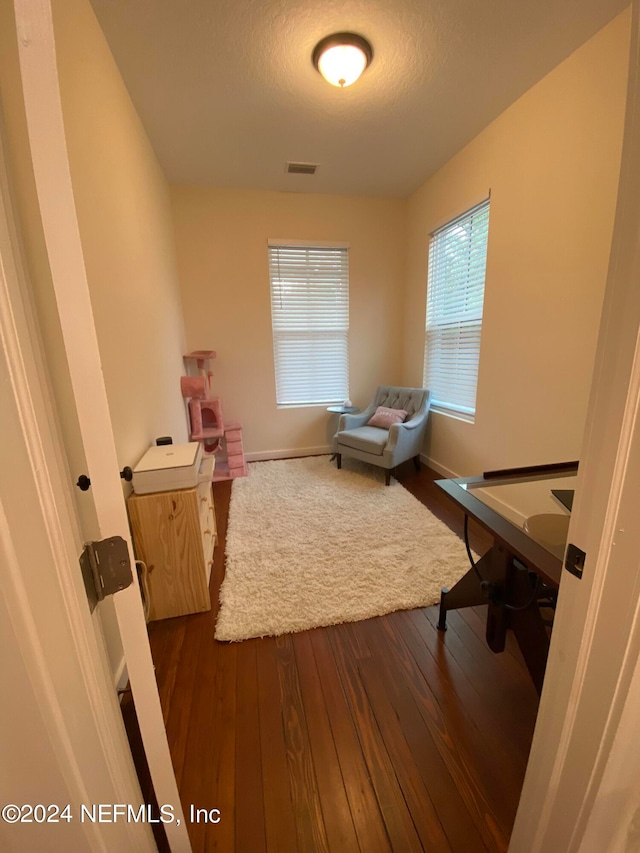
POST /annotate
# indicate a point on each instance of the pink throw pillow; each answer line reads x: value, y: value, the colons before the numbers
x: 384, y: 418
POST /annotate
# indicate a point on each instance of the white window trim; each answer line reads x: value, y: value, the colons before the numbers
x: 311, y: 244
x: 453, y: 410
x: 273, y: 242
x: 457, y: 212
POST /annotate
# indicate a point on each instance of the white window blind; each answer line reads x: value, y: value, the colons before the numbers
x: 455, y: 296
x: 310, y: 319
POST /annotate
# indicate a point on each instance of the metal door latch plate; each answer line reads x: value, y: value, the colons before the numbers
x: 574, y: 561
x: 106, y: 568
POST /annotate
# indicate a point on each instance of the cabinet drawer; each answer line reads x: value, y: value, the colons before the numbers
x: 205, y: 501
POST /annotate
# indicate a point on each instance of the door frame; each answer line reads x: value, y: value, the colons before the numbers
x: 51, y: 170
x: 595, y: 647
x: 552, y: 807
x: 48, y: 608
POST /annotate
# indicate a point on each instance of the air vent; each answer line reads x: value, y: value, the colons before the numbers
x: 302, y: 168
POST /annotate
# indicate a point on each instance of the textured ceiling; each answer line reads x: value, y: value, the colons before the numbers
x: 227, y: 92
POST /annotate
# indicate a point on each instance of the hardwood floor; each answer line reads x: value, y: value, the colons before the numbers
x: 382, y: 735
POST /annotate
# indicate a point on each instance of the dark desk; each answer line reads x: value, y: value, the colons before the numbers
x: 518, y: 577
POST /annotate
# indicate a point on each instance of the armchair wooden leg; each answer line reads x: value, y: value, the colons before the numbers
x: 387, y: 476
x: 339, y: 460
x: 416, y: 463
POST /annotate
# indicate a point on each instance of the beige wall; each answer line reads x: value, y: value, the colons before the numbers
x: 124, y: 215
x: 221, y: 240
x: 551, y: 162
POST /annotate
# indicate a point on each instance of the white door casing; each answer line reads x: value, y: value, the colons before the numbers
x: 595, y: 645
x: 55, y: 196
x: 63, y: 736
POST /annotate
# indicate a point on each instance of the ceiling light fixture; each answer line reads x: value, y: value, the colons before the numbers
x: 342, y: 57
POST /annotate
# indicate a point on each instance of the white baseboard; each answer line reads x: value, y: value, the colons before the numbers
x: 437, y: 467
x: 502, y: 507
x: 264, y: 455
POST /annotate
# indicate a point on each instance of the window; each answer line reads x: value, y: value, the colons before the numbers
x: 455, y: 295
x: 310, y: 320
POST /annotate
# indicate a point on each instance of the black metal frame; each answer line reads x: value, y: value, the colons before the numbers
x: 515, y: 577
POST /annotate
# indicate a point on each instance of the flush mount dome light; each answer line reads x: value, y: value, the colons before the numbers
x: 342, y: 57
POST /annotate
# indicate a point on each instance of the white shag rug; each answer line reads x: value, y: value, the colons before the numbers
x: 308, y: 545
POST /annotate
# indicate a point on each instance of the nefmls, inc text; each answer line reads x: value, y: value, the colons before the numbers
x: 204, y: 815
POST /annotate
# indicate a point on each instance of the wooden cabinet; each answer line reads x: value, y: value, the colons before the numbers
x: 174, y: 533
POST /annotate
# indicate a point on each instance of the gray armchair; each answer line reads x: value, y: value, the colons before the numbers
x: 382, y: 447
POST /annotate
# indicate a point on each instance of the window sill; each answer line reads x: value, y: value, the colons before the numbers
x: 457, y: 416
x: 309, y: 405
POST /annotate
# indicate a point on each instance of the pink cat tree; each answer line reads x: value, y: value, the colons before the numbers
x: 207, y: 424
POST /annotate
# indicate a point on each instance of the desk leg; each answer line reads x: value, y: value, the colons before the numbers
x: 506, y: 582
x: 528, y: 625
x: 466, y: 593
x: 497, y: 619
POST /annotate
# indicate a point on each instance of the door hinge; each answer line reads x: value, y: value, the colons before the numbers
x: 106, y: 568
x: 574, y: 561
